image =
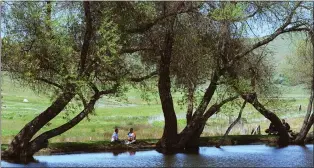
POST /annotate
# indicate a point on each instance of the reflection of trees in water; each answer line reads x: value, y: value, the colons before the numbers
x: 132, y: 152
x: 169, y: 160
x: 118, y: 152
x: 187, y: 160
x: 38, y: 164
x: 30, y: 162
x: 27, y: 160
x: 184, y: 158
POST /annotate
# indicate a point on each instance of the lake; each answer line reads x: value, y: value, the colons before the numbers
x: 227, y: 156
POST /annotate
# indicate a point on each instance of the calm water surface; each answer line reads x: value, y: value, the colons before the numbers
x: 227, y: 156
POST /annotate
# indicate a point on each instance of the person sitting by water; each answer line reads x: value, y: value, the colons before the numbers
x: 131, y: 136
x: 272, y: 129
x: 286, y: 125
x: 115, y: 136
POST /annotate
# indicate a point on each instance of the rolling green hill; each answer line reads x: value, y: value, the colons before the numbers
x: 283, y: 46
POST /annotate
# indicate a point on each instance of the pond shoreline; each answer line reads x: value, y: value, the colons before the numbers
x: 60, y: 148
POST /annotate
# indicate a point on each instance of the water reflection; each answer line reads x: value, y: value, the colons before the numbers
x: 132, y: 152
x: 176, y: 151
x: 227, y: 156
x: 169, y: 160
x: 118, y: 152
x: 26, y: 160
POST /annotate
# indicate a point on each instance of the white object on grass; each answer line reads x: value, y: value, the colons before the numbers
x: 25, y: 100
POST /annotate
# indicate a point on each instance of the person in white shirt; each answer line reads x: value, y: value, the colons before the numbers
x: 131, y: 136
x: 115, y: 136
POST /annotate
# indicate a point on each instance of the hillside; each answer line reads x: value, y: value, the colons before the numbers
x: 283, y: 46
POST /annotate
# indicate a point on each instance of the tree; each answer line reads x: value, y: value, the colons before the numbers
x: 72, y: 49
x: 300, y: 66
x: 229, y: 51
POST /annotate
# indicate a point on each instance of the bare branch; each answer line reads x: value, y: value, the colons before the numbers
x: 140, y: 79
x: 49, y: 82
x: 147, y: 26
x: 232, y: 125
x: 207, y: 95
x: 94, y: 87
x: 300, y: 29
x: 214, y: 108
x: 42, y: 138
x: 83, y: 99
x: 110, y: 91
x: 279, y: 31
x: 135, y: 49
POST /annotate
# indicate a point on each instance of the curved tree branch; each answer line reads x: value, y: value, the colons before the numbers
x: 215, y: 108
x: 135, y: 49
x: 140, y: 79
x: 49, y: 82
x: 272, y: 117
x: 38, y: 142
x: 83, y: 99
x: 232, y: 125
x: 147, y: 26
x: 110, y: 91
x: 208, y: 95
x: 280, y: 30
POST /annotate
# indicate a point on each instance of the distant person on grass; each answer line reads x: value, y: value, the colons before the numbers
x: 131, y: 136
x: 115, y: 136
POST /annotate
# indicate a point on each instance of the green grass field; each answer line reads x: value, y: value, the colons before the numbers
x: 146, y: 118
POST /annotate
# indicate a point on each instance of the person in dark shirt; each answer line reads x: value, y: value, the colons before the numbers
x: 286, y: 125
x: 272, y: 129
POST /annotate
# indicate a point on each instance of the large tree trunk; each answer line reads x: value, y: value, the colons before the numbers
x: 207, y: 95
x: 303, y: 133
x: 18, y: 147
x: 170, y: 134
x: 194, y: 140
x: 197, y: 124
x: 283, y: 134
x: 306, y: 122
x: 42, y: 140
x: 190, y: 135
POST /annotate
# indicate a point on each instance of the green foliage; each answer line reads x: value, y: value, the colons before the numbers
x: 229, y: 12
x: 48, y: 50
x: 43, y: 51
x: 146, y: 8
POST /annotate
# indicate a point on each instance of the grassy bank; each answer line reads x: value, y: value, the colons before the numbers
x: 142, y: 144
